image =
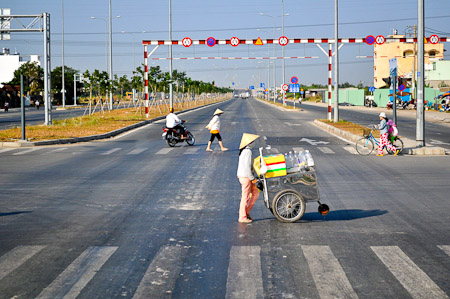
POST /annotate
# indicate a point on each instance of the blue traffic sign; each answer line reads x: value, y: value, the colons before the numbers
x: 211, y: 41
x: 371, y: 89
x: 401, y: 87
x: 252, y: 87
x: 294, y: 87
x: 262, y: 85
x: 294, y: 80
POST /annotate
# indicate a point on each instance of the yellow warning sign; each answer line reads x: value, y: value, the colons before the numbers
x: 425, y: 40
x: 259, y: 42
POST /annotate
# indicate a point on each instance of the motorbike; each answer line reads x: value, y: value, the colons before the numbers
x: 173, y: 135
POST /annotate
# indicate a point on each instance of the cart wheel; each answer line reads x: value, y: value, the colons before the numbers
x: 324, y: 209
x: 288, y: 206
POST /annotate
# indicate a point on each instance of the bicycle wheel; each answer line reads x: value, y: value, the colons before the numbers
x: 364, y: 146
x: 398, y: 143
x: 288, y: 206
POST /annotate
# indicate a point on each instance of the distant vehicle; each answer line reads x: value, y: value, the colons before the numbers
x: 244, y: 95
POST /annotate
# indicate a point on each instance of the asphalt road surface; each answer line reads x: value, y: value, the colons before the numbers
x: 132, y: 218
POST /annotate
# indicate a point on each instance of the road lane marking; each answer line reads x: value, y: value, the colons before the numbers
x: 16, y: 257
x: 330, y: 278
x: 164, y: 151
x: 351, y: 149
x: 298, y: 149
x: 413, y: 279
x: 111, y: 151
x: 445, y: 248
x: 160, y: 278
x: 326, y: 150
x: 55, y: 151
x: 6, y: 150
x: 192, y: 151
x: 244, y: 273
x: 77, y: 275
x: 26, y: 151
x: 137, y: 151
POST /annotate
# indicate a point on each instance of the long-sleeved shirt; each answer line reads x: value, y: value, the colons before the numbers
x: 245, y: 167
x: 172, y: 120
x: 382, y: 126
x: 214, y: 124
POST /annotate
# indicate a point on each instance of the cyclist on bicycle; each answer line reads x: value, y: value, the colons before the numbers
x: 383, y: 127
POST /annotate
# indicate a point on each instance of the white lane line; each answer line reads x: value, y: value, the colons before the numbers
x: 26, y: 151
x: 55, y: 151
x: 244, y: 273
x: 298, y: 149
x: 413, y: 279
x: 16, y: 257
x: 163, y: 151
x: 192, y: 151
x: 111, y: 151
x: 4, y: 150
x: 445, y: 248
x: 137, y: 151
x: 330, y: 278
x: 326, y: 150
x: 160, y: 278
x: 351, y: 149
x: 77, y: 275
x: 264, y: 137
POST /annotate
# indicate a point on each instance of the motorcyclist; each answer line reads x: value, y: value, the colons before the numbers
x: 174, y: 122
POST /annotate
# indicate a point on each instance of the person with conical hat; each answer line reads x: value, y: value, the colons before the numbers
x: 246, y: 177
x: 214, y: 128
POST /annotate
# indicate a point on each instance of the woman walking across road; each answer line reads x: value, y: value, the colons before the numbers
x: 383, y: 127
x: 250, y: 192
x: 214, y: 128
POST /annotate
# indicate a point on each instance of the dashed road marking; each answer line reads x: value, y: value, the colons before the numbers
x: 192, y: 151
x: 26, y: 151
x: 351, y: 149
x: 137, y: 151
x: 413, y: 279
x: 330, y: 278
x: 4, y: 150
x: 55, y: 151
x: 244, y: 273
x: 445, y: 248
x: 325, y: 150
x: 16, y: 257
x: 77, y: 275
x: 111, y: 151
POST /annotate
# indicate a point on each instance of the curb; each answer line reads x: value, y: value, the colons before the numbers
x: 114, y: 133
x: 418, y: 151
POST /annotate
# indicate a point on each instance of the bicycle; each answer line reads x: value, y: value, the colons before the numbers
x: 366, y: 144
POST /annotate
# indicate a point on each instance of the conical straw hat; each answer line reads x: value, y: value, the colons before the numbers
x: 247, y: 139
x: 218, y: 111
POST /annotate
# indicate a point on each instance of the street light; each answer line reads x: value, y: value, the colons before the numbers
x: 106, y: 38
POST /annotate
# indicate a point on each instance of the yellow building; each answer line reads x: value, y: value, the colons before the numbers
x: 404, y: 52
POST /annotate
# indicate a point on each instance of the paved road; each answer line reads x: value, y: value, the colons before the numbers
x: 133, y: 218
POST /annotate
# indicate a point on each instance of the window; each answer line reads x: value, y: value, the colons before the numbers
x: 408, y: 53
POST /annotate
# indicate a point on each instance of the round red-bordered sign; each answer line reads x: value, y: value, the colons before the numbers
x: 380, y: 40
x: 187, y: 42
x: 211, y: 41
x: 294, y: 80
x: 234, y: 41
x: 283, y: 41
x: 434, y: 39
x: 285, y: 87
x: 370, y: 40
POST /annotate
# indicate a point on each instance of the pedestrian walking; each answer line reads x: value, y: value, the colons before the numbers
x: 36, y: 103
x: 214, y: 128
x: 246, y: 177
x: 6, y: 106
x: 383, y: 127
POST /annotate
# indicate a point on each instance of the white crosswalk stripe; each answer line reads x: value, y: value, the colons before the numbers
x: 61, y: 149
x: 244, y: 273
x: 4, y: 150
x: 74, y: 278
x: 413, y: 279
x: 351, y: 149
x: 137, y: 151
x: 192, y: 151
x: 325, y: 150
x: 330, y: 278
x: 445, y: 248
x: 111, y: 151
x: 160, y: 277
x: 164, y: 151
x: 26, y: 151
x: 16, y: 257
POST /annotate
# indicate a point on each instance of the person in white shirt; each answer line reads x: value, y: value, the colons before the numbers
x: 245, y: 175
x: 214, y: 128
x: 174, y: 122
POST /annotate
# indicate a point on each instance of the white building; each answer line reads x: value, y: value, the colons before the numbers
x: 9, y: 63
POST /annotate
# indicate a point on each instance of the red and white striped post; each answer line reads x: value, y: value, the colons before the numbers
x: 146, y: 80
x: 330, y: 61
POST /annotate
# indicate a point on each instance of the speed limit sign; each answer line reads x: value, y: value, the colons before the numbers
x: 234, y: 41
x: 434, y: 39
x: 285, y: 87
x: 283, y: 41
x: 380, y: 40
x: 187, y: 42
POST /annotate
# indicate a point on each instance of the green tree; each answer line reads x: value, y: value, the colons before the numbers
x: 33, y: 78
x: 56, y: 76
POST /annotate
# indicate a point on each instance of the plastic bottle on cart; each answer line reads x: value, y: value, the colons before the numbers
x: 302, y: 160
x: 291, y: 167
x: 288, y: 164
x: 309, y: 159
x: 296, y: 167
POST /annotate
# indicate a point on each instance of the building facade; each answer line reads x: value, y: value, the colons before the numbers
x: 406, y: 58
x: 9, y: 63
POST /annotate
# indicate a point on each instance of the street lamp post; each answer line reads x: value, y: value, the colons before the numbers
x: 282, y: 50
x: 268, y: 65
x: 106, y: 39
x: 63, y: 89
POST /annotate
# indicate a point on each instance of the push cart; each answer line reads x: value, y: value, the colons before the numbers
x: 286, y: 196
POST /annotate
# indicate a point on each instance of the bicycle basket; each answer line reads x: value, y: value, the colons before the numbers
x: 366, y: 133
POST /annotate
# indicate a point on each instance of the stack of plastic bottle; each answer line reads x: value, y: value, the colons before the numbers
x: 299, y: 161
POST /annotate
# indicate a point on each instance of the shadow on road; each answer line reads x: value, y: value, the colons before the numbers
x: 343, y: 215
x: 14, y: 213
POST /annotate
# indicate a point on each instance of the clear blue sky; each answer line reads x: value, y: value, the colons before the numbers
x: 199, y: 19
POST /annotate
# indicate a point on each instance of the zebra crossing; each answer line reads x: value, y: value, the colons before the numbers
x: 245, y: 274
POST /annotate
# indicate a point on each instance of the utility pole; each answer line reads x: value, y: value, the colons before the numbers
x: 110, y: 60
x: 284, y: 73
x: 170, y: 55
x: 63, y: 89
x: 336, y: 64
x: 420, y: 123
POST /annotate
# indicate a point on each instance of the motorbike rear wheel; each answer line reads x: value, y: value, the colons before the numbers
x: 171, y: 141
x: 190, y: 139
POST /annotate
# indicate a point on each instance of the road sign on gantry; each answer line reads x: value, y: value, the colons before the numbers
x: 234, y: 41
x: 285, y: 87
x: 370, y: 40
x: 211, y: 41
x: 380, y: 40
x: 434, y: 39
x: 187, y: 42
x: 283, y: 41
